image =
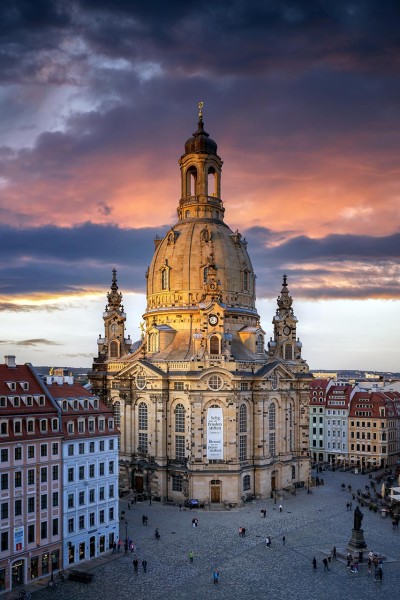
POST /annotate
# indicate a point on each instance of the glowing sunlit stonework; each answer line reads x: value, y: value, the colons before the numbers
x: 205, y: 410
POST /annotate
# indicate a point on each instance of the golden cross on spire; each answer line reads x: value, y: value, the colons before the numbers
x: 201, y: 104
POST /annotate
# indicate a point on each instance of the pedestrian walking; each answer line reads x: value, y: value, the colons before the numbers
x: 243, y: 531
x: 215, y: 576
x: 114, y: 547
x: 129, y: 505
x: 325, y: 561
x: 119, y: 545
x: 240, y: 531
x: 347, y: 506
x: 144, y: 519
x: 351, y: 505
x: 144, y: 565
x: 196, y: 523
x: 191, y: 556
x: 284, y: 540
x: 380, y: 573
x: 314, y: 563
x: 193, y: 522
x: 268, y: 541
x: 135, y: 563
x: 263, y: 512
x: 334, y: 555
x: 280, y: 508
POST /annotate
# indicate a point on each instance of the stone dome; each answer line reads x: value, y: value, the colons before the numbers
x: 200, y: 141
x: 200, y: 260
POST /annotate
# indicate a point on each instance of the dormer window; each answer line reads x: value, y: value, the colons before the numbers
x: 17, y: 427
x: 75, y: 405
x: 24, y: 385
x: 30, y: 426
x: 274, y: 381
x: 29, y: 401
x: 165, y: 278
x: 70, y: 427
x: 114, y: 349
x: 81, y: 426
x: 41, y: 400
x: 3, y: 402
x: 260, y: 344
x: 91, y: 425
x: 101, y: 424
x: 4, y: 428
x: 152, y: 344
x: 95, y: 403
x: 12, y: 385
x: 16, y: 401
x: 54, y: 424
x: 110, y: 424
x: 65, y: 405
x: 43, y: 425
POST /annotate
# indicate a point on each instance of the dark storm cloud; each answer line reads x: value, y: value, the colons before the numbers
x: 60, y: 260
x: 44, y: 40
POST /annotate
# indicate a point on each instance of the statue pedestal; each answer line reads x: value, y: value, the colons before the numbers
x: 357, y: 541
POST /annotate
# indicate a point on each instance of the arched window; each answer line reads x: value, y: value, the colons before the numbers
x: 245, y: 281
x: 212, y: 182
x: 164, y: 279
x: 180, y: 418
x: 288, y: 352
x: 117, y: 413
x: 187, y: 214
x: 191, y: 181
x: 260, y: 344
x: 114, y: 349
x: 274, y: 381
x: 143, y: 424
x: 242, y: 418
x: 214, y: 344
x: 272, y: 426
x: 293, y: 472
x: 246, y: 482
x: 152, y: 344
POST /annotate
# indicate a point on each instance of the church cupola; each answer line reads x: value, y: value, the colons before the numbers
x: 200, y: 177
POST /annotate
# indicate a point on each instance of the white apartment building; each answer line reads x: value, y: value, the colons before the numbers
x: 90, y: 472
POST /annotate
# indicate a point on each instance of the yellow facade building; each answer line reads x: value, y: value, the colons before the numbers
x: 208, y: 409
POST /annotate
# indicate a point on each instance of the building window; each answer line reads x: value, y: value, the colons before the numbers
x: 18, y: 453
x: 55, y: 499
x: 215, y: 382
x: 272, y: 449
x: 70, y: 501
x: 91, y: 520
x: 288, y: 352
x: 293, y: 472
x: 43, y: 530
x: 18, y: 508
x: 18, y: 479
x: 70, y: 427
x: 101, y: 469
x: 180, y: 418
x: 91, y: 495
x: 260, y: 344
x: 143, y: 442
x: 55, y: 472
x: 70, y: 449
x: 274, y: 381
x: 4, y: 455
x: 81, y: 448
x: 178, y: 385
x: 70, y: 525
x: 243, y: 447
x: 4, y: 541
x: 111, y: 514
x: 243, y: 418
x: 31, y: 476
x: 101, y: 516
x: 31, y: 534
x: 31, y: 451
x: 70, y: 474
x: 81, y: 521
x: 117, y: 413
x: 81, y: 499
x: 30, y: 426
x: 43, y: 502
x: 4, y: 510
x: 111, y: 491
x: 272, y: 416
x: 4, y: 481
x: 111, y: 467
x: 81, y: 473
x: 165, y: 279
x: 31, y: 504
x: 43, y: 450
x: 214, y: 344
x: 101, y: 493
x: 114, y: 349
x: 91, y: 428
x: 179, y: 447
x: 111, y: 444
x: 43, y: 425
x: 91, y: 446
x: 54, y: 448
x: 91, y: 471
x: 245, y: 281
x: 43, y: 475
x: 246, y: 483
x: 55, y: 530
x: 177, y: 483
x: 101, y: 446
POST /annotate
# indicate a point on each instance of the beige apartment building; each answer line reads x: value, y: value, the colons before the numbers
x: 210, y: 404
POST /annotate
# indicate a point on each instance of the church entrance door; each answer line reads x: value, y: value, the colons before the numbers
x: 215, y: 491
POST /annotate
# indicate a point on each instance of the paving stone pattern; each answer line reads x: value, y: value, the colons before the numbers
x: 312, y: 524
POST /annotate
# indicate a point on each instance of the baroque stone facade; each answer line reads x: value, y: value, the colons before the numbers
x: 207, y: 409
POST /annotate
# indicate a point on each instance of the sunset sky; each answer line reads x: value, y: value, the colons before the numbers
x: 97, y: 98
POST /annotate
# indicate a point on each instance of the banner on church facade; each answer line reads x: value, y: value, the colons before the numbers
x: 215, y: 434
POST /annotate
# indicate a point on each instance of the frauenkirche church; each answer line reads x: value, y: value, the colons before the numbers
x: 206, y: 407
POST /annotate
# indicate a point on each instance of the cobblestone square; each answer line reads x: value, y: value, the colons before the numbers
x: 311, y: 523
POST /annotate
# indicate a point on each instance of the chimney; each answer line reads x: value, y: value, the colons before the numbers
x: 9, y: 360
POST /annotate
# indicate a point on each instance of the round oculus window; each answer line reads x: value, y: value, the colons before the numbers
x: 215, y: 382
